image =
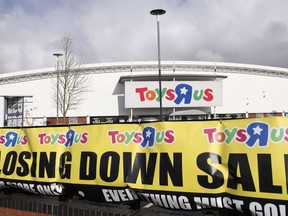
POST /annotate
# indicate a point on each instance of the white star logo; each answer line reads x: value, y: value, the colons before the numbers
x: 257, y: 130
x: 183, y: 90
x: 70, y: 135
x: 148, y: 133
x: 11, y: 137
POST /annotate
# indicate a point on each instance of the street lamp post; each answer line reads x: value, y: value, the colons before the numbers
x: 57, y: 86
x: 157, y: 13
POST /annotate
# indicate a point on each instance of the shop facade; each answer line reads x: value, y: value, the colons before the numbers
x: 129, y: 91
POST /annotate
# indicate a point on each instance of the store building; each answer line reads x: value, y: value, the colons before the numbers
x: 129, y: 91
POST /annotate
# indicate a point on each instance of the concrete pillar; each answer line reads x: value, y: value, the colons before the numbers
x: 131, y: 115
x: 2, y: 111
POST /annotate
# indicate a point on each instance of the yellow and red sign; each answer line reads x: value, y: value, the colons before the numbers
x: 240, y: 165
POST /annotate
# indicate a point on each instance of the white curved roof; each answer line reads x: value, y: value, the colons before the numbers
x: 144, y: 66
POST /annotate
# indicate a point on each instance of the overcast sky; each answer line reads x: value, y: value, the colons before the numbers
x: 236, y: 31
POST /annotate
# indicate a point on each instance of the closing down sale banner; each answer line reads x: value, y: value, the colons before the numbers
x: 241, y: 165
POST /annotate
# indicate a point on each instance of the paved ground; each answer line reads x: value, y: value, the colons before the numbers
x: 19, y: 204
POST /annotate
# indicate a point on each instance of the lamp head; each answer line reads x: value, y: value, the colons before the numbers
x: 157, y: 12
x: 57, y: 54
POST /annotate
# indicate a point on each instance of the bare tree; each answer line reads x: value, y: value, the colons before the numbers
x: 72, y: 82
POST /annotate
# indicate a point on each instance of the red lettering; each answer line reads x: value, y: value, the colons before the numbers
x: 286, y: 132
x: 209, y: 132
x: 113, y: 136
x: 24, y: 140
x: 2, y: 139
x: 41, y: 137
x: 141, y: 92
x: 241, y: 135
x: 137, y: 138
x: 208, y: 96
x: 169, y: 136
x: 170, y: 94
x: 84, y: 138
x: 61, y: 139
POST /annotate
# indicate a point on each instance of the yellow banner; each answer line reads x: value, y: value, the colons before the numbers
x: 212, y: 162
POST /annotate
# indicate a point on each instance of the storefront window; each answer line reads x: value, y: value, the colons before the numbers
x: 19, y: 111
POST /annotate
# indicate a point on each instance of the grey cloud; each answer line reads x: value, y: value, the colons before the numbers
x: 109, y: 30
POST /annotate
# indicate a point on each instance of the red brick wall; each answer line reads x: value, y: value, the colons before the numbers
x: 15, y: 212
x: 61, y: 121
